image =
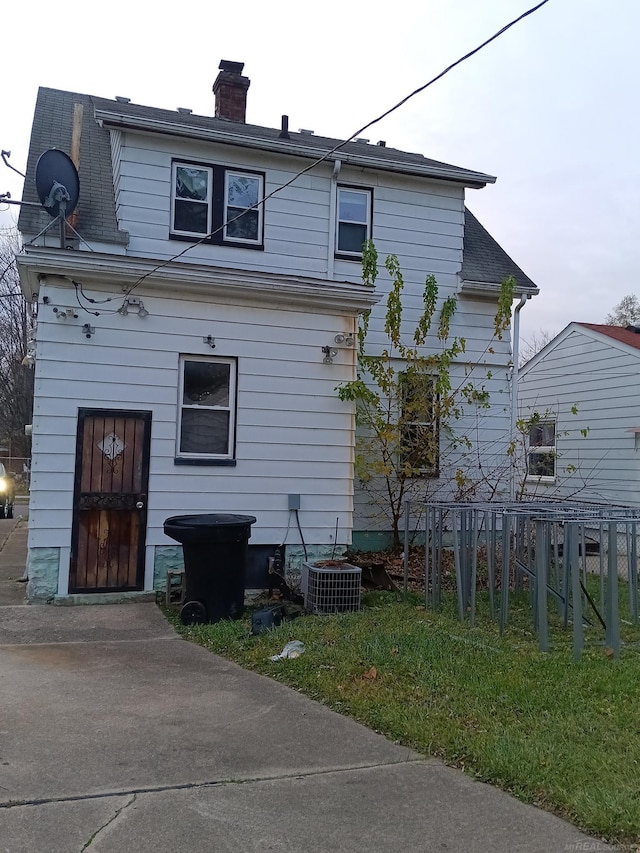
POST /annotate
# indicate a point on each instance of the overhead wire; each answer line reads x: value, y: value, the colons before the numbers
x: 340, y: 145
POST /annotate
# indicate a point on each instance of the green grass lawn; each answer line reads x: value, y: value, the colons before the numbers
x: 563, y: 735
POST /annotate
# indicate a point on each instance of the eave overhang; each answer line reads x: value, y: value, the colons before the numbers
x: 490, y: 290
x: 191, y: 281
x: 466, y: 177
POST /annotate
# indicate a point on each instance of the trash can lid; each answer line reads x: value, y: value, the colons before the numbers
x: 208, y: 528
x: 214, y: 519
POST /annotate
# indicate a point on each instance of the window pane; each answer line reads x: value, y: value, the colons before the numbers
x: 542, y: 464
x: 192, y: 183
x: 353, y: 206
x: 244, y: 228
x: 242, y: 190
x: 190, y: 216
x: 206, y: 384
x: 351, y: 237
x: 542, y: 435
x: 204, y: 431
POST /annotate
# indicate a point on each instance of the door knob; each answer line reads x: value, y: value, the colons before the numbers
x: 140, y: 505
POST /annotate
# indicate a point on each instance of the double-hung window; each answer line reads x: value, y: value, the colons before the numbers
x: 353, y: 222
x: 206, y: 418
x: 541, y: 456
x: 192, y: 196
x: 243, y: 218
x: 419, y: 426
x: 217, y: 204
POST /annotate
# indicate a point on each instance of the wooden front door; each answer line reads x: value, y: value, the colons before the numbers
x: 110, y: 501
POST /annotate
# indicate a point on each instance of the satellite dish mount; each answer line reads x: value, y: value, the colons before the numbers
x: 58, y: 189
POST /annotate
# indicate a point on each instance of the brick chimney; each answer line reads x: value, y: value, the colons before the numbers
x: 230, y: 90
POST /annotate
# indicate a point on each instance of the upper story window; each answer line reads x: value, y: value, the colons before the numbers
x: 192, y: 190
x: 215, y: 202
x: 353, y: 225
x: 206, y: 416
x: 242, y: 191
x: 542, y: 455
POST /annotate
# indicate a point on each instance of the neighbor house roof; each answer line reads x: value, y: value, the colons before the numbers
x: 629, y: 335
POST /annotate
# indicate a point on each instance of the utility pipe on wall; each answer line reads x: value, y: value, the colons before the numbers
x: 514, y: 384
x: 333, y: 203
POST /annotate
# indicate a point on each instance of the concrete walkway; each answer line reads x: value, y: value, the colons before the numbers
x: 116, y: 735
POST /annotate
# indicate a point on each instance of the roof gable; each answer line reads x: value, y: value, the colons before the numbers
x: 616, y: 336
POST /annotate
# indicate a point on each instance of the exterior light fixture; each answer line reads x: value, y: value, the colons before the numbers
x: 346, y: 340
x: 329, y: 354
x: 133, y: 303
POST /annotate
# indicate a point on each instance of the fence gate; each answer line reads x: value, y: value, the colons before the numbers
x: 110, y: 501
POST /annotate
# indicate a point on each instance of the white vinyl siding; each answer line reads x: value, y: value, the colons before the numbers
x: 588, y: 382
x: 293, y: 434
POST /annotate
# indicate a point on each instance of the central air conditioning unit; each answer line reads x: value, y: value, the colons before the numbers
x: 330, y: 586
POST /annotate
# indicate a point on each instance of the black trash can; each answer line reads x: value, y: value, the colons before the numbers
x: 215, y: 550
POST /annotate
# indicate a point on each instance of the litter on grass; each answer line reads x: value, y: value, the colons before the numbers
x: 292, y: 650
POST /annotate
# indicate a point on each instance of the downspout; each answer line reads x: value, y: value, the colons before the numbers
x: 333, y: 203
x: 514, y: 385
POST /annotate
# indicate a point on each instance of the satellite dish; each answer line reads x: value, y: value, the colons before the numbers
x: 57, y: 183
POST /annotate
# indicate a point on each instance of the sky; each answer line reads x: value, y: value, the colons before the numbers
x: 550, y: 108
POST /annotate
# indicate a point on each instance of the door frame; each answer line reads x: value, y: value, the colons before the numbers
x: 146, y: 417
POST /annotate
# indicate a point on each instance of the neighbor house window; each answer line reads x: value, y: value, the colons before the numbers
x: 353, y: 226
x: 206, y: 427
x: 419, y: 427
x: 541, y: 457
x: 216, y: 204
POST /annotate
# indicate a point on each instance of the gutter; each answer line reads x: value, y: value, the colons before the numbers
x: 489, y: 289
x: 108, y: 118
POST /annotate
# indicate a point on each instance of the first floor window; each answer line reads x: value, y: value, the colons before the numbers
x: 207, y: 408
x: 419, y: 427
x: 541, y: 456
x: 353, y: 226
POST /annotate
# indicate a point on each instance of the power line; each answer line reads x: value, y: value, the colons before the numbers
x: 341, y: 144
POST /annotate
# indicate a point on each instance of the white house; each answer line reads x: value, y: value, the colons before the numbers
x: 189, y: 344
x: 585, y: 442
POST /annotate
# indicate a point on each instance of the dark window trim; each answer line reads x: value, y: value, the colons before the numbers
x: 223, y: 463
x: 229, y: 461
x: 217, y: 205
x: 352, y: 256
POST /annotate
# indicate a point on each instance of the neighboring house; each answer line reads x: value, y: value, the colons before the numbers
x: 584, y: 442
x: 184, y: 346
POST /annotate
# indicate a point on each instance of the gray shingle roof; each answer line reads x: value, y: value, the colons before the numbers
x: 52, y: 128
x: 484, y: 260
x: 127, y: 115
